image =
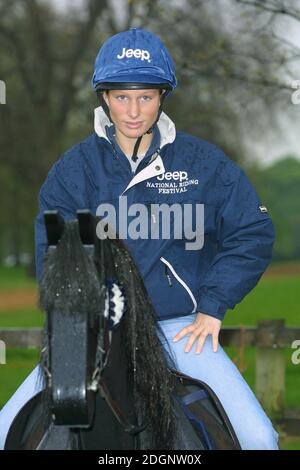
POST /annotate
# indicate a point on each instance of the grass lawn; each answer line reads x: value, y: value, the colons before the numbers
x: 271, y: 298
x: 22, y: 318
x: 19, y: 363
x: 14, y: 278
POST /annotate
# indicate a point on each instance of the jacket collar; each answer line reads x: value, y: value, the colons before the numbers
x: 156, y: 166
x: 165, y: 125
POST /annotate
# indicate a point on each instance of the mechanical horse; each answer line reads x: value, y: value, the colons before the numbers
x: 109, y: 383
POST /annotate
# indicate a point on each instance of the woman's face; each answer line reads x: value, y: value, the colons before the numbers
x: 133, y: 106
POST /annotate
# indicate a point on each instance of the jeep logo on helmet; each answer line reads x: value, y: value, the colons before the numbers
x: 137, y: 53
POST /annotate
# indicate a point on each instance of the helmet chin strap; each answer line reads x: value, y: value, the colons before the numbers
x: 134, y: 156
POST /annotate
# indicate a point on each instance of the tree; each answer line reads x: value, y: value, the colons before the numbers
x: 46, y: 61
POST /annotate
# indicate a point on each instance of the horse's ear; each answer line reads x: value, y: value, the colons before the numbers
x: 54, y: 224
x: 87, y: 226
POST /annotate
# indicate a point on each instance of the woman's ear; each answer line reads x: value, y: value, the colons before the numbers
x: 105, y: 97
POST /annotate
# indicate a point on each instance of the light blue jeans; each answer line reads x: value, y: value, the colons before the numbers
x: 251, y: 424
x: 28, y: 389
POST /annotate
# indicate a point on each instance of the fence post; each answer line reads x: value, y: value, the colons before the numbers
x: 270, y: 366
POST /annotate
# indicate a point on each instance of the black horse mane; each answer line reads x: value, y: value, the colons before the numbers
x: 74, y: 281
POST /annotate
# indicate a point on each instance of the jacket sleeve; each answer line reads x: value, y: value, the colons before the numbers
x: 245, y: 235
x: 62, y: 190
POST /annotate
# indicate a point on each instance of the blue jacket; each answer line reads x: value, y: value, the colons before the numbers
x: 238, y: 231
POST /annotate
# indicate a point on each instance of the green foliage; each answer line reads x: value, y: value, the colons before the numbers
x: 279, y: 189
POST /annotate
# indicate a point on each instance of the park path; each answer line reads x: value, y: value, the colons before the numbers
x: 17, y: 299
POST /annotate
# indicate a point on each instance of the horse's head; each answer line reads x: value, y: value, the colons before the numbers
x: 90, y: 345
x: 73, y: 295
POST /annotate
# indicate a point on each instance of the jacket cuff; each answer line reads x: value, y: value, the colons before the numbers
x: 211, y: 306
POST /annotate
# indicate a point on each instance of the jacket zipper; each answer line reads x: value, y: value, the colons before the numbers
x: 168, y: 276
x: 179, y: 279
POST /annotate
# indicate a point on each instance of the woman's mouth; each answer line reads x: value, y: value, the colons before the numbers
x: 134, y: 125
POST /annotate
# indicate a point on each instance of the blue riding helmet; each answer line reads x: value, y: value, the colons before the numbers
x: 134, y: 59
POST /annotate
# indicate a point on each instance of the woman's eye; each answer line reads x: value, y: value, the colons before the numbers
x: 120, y: 97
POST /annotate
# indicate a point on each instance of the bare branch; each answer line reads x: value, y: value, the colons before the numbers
x: 130, y: 13
x: 232, y: 75
x: 111, y: 22
x: 95, y: 7
x: 12, y: 37
x: 286, y: 41
x: 42, y: 45
x: 272, y: 7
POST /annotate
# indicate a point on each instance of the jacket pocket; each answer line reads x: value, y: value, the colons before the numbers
x: 170, y: 269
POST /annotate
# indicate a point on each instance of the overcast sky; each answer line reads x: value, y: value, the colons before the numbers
x: 273, y: 142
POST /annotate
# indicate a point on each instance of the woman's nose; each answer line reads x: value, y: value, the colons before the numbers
x: 133, y: 109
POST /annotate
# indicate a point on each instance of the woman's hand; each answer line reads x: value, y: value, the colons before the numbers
x: 203, y: 325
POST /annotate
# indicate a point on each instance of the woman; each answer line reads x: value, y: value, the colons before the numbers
x: 136, y: 152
